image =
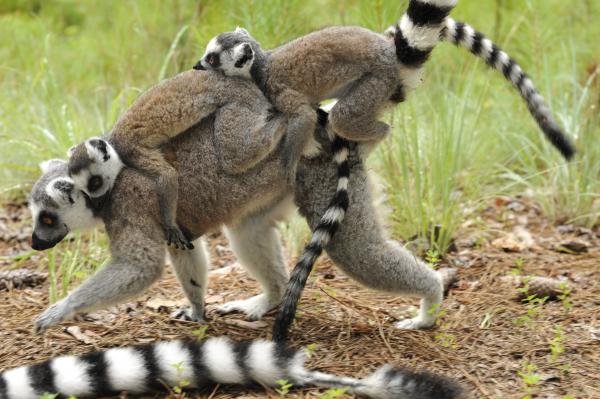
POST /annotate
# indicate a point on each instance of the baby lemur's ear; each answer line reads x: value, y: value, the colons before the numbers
x: 50, y: 164
x: 242, y: 31
x: 71, y: 150
x: 98, y: 149
x: 242, y: 54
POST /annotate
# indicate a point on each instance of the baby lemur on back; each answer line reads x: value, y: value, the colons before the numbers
x: 165, y: 111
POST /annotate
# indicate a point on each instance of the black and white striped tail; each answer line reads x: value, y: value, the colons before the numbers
x: 165, y: 365
x: 329, y: 223
x: 465, y: 36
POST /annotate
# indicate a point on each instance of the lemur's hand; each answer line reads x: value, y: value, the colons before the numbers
x: 177, y: 239
x: 56, y: 313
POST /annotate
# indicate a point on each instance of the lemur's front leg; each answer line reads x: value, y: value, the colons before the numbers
x: 132, y: 270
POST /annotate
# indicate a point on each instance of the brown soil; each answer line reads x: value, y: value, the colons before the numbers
x: 478, y: 341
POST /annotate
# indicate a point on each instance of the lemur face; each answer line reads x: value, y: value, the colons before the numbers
x: 231, y: 53
x: 94, y: 166
x: 57, y: 206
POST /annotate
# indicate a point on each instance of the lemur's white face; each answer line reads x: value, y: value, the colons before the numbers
x: 230, y: 52
x: 95, y: 170
x: 57, y: 206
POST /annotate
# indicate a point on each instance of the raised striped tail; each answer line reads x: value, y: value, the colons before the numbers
x: 328, y: 225
x: 171, y: 364
x: 419, y: 29
x: 465, y: 36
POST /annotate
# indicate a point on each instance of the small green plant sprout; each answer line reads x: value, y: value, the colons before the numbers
x: 333, y: 393
x: 433, y: 258
x: 48, y: 395
x: 284, y: 387
x: 534, y: 305
x: 310, y: 350
x: 530, y: 380
x: 182, y: 382
x: 447, y: 340
x: 556, y: 344
x: 200, y: 333
x: 564, y: 295
x: 518, y: 269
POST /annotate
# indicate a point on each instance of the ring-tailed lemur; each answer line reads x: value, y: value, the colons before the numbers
x: 199, y: 364
x: 163, y: 112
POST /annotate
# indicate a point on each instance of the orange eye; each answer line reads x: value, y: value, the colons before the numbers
x: 47, y: 220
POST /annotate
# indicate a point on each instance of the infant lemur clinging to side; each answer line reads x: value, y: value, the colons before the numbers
x: 160, y: 114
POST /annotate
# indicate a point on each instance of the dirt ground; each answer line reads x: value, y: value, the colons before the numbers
x: 486, y: 338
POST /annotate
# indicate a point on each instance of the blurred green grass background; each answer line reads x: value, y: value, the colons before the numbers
x: 69, y: 68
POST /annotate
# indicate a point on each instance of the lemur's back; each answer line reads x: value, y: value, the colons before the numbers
x: 321, y: 62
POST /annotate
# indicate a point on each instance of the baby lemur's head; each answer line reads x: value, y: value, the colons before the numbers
x: 94, y: 165
x: 232, y: 53
x: 57, y: 206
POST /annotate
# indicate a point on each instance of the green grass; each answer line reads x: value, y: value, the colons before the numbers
x: 68, y: 69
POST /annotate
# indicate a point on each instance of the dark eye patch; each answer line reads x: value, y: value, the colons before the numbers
x: 47, y: 219
x: 213, y: 59
x: 95, y: 183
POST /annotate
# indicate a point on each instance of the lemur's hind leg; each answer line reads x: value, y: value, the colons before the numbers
x: 191, y: 269
x: 152, y: 163
x: 360, y: 247
x: 298, y: 138
x: 256, y: 243
x: 354, y: 117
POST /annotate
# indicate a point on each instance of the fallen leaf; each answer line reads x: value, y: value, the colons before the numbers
x: 159, y: 303
x: 252, y: 325
x: 76, y: 332
x: 572, y: 247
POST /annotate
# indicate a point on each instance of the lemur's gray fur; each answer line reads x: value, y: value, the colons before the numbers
x: 163, y: 112
x: 151, y: 368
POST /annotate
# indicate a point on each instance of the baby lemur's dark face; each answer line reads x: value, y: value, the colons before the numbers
x: 230, y: 53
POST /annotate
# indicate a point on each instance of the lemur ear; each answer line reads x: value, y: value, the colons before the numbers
x: 242, y: 31
x: 50, y: 164
x: 61, y: 190
x: 71, y: 151
x: 97, y: 149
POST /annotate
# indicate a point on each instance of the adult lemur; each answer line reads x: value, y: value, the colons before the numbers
x: 365, y: 70
x: 162, y: 113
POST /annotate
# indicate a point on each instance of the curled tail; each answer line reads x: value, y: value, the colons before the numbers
x: 465, y: 36
x: 328, y: 225
x: 169, y: 364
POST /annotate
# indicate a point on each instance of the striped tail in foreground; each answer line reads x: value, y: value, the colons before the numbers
x: 465, y: 36
x: 153, y: 368
x: 329, y: 223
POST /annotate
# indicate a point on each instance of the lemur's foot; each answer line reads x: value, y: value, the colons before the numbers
x: 176, y: 238
x: 52, y: 316
x: 416, y: 323
x: 254, y: 308
x: 188, y: 314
